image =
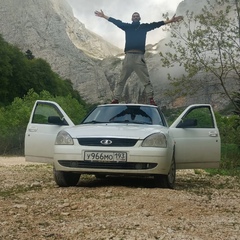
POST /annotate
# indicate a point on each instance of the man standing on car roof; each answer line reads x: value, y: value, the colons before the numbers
x: 135, y: 41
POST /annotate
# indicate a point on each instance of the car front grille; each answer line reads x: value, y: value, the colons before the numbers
x: 115, y: 142
x: 107, y: 165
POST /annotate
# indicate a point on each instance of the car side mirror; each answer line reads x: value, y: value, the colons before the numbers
x: 187, y: 123
x: 57, y: 120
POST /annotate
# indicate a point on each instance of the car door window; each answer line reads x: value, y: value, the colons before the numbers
x: 200, y: 117
x: 43, y: 112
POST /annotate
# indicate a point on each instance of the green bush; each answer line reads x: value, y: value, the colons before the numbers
x: 230, y: 156
x: 230, y: 161
x: 230, y: 145
x: 14, y: 118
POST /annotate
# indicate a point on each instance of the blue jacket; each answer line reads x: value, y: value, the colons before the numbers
x: 135, y: 33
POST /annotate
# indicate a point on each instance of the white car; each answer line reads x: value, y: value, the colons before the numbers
x: 123, y: 139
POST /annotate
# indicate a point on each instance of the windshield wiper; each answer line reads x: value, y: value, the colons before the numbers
x: 122, y: 121
x: 132, y: 122
x: 94, y: 121
x: 139, y: 122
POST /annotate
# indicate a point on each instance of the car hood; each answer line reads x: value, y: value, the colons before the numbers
x: 135, y: 131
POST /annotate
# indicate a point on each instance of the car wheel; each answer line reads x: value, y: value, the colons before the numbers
x: 66, y: 179
x: 167, y: 181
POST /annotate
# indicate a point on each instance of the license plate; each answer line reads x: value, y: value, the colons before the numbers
x: 105, y: 156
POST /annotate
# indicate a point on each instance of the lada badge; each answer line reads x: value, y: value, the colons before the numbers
x: 106, y: 142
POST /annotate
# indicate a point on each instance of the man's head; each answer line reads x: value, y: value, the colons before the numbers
x: 136, y: 17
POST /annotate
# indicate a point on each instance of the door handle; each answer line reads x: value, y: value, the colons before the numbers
x: 213, y: 134
x: 32, y: 129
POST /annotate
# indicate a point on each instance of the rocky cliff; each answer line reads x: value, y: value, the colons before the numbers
x: 49, y: 29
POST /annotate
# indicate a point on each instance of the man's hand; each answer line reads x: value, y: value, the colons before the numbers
x: 174, y: 19
x: 101, y: 14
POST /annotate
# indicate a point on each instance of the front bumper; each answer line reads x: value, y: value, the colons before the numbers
x: 140, y: 160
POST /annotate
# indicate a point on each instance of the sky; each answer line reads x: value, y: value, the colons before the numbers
x: 150, y: 11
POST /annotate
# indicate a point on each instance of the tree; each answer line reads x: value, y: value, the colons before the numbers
x: 237, y: 112
x: 208, y: 48
x: 21, y: 72
x: 5, y: 69
x: 237, y: 102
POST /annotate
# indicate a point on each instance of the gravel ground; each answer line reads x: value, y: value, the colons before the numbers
x: 33, y: 207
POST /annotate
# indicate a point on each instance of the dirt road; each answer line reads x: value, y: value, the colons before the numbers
x: 33, y: 207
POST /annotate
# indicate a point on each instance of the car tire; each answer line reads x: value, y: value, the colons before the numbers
x: 66, y: 179
x: 167, y: 181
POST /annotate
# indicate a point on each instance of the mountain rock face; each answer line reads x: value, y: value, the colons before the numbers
x: 49, y: 29
x: 211, y: 90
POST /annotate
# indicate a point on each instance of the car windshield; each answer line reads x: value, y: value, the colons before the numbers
x: 125, y: 114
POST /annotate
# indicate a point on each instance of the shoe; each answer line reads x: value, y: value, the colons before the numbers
x: 114, y: 101
x: 152, y: 102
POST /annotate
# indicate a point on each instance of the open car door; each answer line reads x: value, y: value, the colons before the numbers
x: 197, y: 140
x: 46, y: 120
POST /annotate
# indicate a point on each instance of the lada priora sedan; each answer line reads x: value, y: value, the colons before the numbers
x: 122, y: 139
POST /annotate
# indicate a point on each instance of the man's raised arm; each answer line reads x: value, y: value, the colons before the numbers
x: 174, y: 19
x: 101, y: 14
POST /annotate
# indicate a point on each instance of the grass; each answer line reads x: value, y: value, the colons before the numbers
x: 32, y: 178
x: 16, y: 190
x: 230, y: 161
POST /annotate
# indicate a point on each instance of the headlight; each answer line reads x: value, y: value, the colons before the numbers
x: 155, y: 140
x: 63, y: 138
